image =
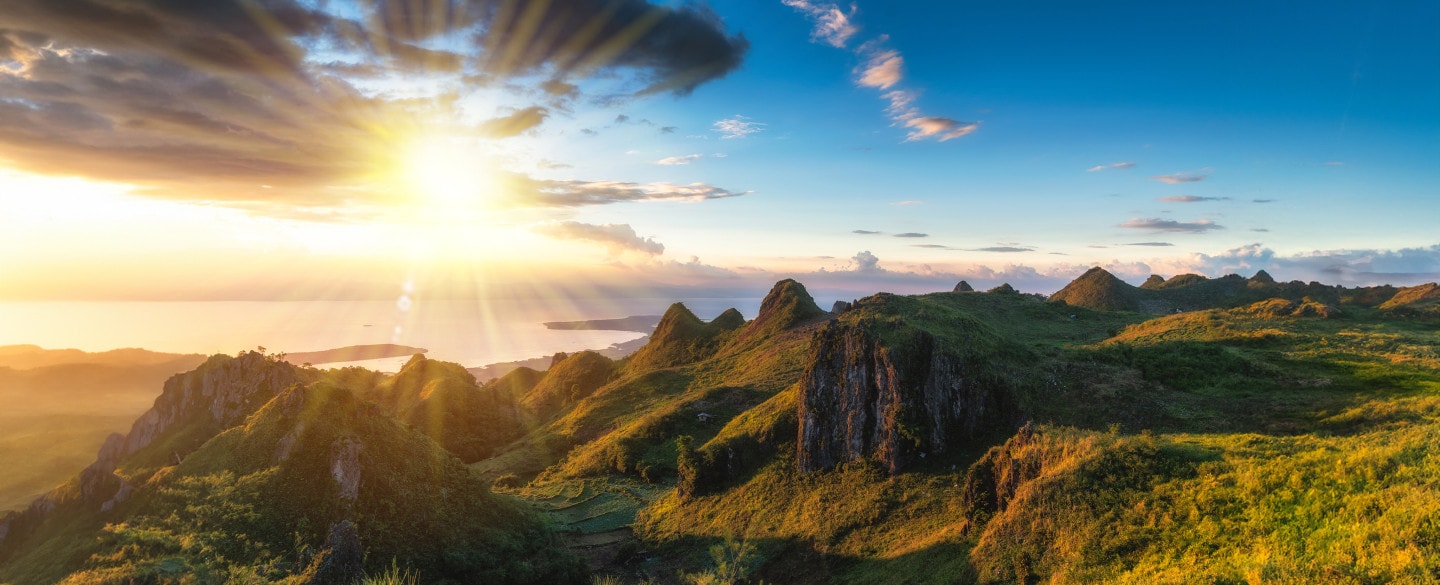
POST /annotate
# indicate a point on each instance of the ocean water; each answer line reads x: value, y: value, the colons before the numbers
x: 470, y: 332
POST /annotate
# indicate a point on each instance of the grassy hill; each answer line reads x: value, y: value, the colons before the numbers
x: 1266, y: 433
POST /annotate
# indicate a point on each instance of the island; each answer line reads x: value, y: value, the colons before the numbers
x: 352, y: 353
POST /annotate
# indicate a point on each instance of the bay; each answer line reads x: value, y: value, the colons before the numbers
x: 470, y: 332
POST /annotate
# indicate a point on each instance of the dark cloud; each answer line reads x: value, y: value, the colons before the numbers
x: 1152, y: 244
x: 1189, y: 199
x: 675, y: 47
x: 1169, y: 225
x: 1003, y: 249
x: 667, y: 130
x: 514, y: 124
x: 912, y: 235
x: 1264, y: 200
x: 208, y: 100
x: 864, y: 232
x: 616, y: 237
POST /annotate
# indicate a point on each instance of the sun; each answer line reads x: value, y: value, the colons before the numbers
x: 449, y: 178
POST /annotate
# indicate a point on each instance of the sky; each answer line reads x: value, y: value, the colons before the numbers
x: 318, y: 149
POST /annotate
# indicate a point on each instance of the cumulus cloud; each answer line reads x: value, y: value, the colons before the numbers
x: 833, y: 26
x: 737, y: 127
x: 615, y: 237
x: 1189, y: 199
x: 679, y: 160
x: 1178, y: 178
x: 1118, y: 165
x: 1351, y: 267
x: 912, y: 235
x: 1199, y: 226
x: 865, y: 262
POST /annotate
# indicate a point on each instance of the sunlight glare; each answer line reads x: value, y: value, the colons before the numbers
x: 451, y: 179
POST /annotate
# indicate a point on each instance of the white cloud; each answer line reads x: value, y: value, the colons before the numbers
x: 882, y: 70
x: 679, y: 160
x: 616, y: 237
x: 737, y: 127
x: 833, y: 26
x: 1118, y: 165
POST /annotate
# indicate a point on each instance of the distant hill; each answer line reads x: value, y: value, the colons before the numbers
x: 60, y: 404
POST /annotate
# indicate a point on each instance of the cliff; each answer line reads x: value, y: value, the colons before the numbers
x: 895, y: 400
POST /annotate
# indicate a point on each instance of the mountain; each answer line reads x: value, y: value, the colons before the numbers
x: 60, y: 404
x: 1266, y: 432
x: 251, y: 469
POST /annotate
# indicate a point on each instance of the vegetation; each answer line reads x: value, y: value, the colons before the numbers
x: 1268, y: 433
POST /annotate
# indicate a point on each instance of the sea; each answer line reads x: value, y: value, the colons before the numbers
x: 472, y: 333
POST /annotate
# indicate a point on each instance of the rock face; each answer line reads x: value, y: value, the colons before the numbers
x: 218, y: 394
x: 860, y: 398
x: 223, y: 391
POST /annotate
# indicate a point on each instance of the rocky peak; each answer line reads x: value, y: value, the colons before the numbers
x: 1263, y: 278
x: 222, y: 391
x: 787, y: 305
x: 1003, y: 289
x: 963, y: 287
x: 895, y: 403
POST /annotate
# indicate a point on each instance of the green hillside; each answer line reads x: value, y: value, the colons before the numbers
x: 1265, y: 433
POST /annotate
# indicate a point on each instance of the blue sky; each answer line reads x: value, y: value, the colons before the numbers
x: 994, y: 141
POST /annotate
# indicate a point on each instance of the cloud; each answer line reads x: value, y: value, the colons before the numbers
x: 882, y: 70
x: 1189, y: 199
x: 1260, y: 230
x: 866, y: 262
x: 1118, y: 165
x: 737, y: 127
x: 1003, y: 249
x: 514, y: 124
x: 908, y: 202
x: 1350, y: 267
x: 679, y: 160
x: 616, y: 237
x: 833, y: 26
x: 932, y: 246
x: 1152, y: 244
x: 1178, y: 178
x: 1264, y: 200
x: 912, y: 235
x: 1169, y: 225
x: 581, y: 193
x: 207, y: 100
x: 864, y: 232
x: 667, y: 130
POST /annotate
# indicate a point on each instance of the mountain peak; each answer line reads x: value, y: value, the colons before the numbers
x: 1098, y: 289
x: 963, y: 287
x: 788, y: 304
